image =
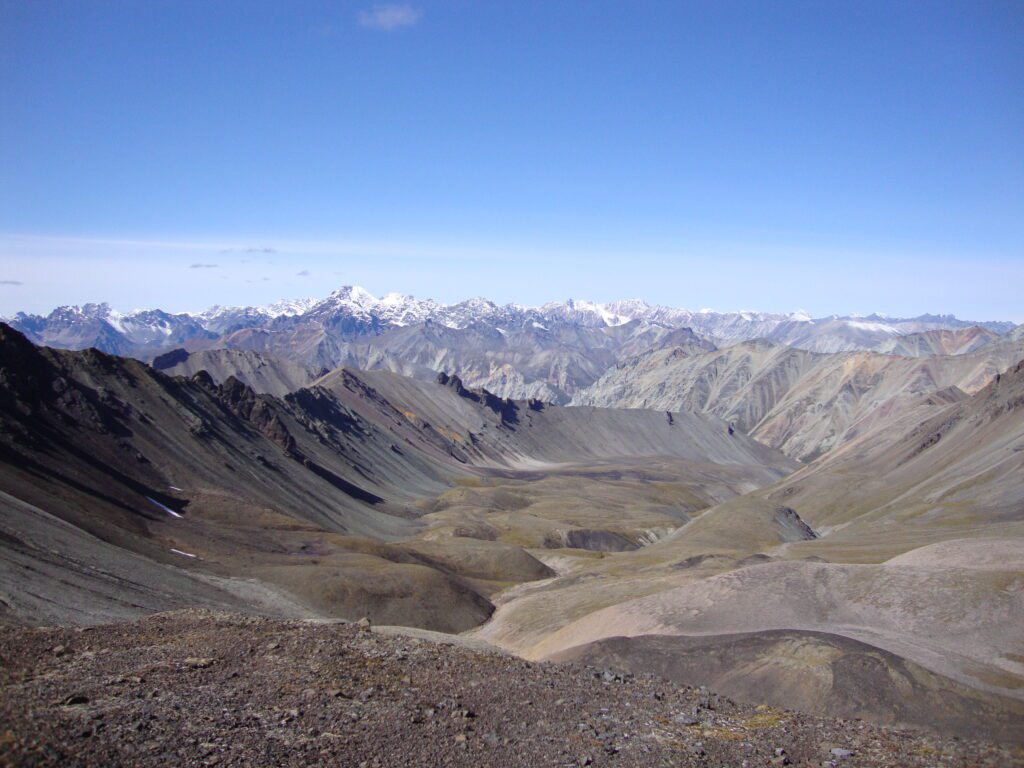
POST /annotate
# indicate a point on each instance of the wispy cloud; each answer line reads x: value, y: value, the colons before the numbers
x: 204, y: 266
x: 303, y: 273
x: 389, y: 17
x: 262, y: 249
x: 11, y: 282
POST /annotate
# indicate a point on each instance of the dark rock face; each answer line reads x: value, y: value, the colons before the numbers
x: 788, y: 518
x: 258, y: 410
x: 33, y: 381
x: 24, y: 374
x: 323, y: 411
x: 505, y: 408
x: 170, y: 359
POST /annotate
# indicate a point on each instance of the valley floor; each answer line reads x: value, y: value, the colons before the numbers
x: 201, y: 688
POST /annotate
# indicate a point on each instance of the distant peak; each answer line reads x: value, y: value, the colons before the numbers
x: 355, y: 293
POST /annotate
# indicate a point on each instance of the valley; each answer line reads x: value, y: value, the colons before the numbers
x: 840, y: 533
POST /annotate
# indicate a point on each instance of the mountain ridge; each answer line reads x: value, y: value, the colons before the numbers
x: 143, y: 326
x: 549, y: 352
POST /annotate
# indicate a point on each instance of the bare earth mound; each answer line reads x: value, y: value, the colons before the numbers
x: 814, y: 672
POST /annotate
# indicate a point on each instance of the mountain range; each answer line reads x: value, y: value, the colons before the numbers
x: 548, y: 352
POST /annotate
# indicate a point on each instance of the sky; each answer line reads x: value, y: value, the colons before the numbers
x: 836, y: 157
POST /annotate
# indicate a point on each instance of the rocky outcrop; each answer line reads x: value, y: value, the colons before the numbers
x: 170, y: 359
x: 506, y: 409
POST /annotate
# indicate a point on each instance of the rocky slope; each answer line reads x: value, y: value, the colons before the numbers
x: 960, y: 467
x: 959, y: 341
x: 264, y: 375
x: 801, y: 402
x: 211, y: 689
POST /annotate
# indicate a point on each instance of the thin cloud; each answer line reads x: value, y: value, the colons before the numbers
x: 262, y: 249
x: 390, y: 17
x: 11, y: 282
x: 303, y: 273
x: 204, y: 266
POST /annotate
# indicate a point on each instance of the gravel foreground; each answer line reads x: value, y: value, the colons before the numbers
x: 194, y: 688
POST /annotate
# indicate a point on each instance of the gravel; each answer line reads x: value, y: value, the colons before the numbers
x: 196, y: 688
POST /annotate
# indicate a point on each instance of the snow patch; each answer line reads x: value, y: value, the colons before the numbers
x: 116, y: 320
x: 863, y: 325
x: 168, y: 510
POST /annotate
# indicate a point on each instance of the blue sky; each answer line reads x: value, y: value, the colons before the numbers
x: 836, y: 157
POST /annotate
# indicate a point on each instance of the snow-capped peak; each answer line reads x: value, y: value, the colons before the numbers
x: 587, y: 312
x: 355, y: 294
x: 289, y: 307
